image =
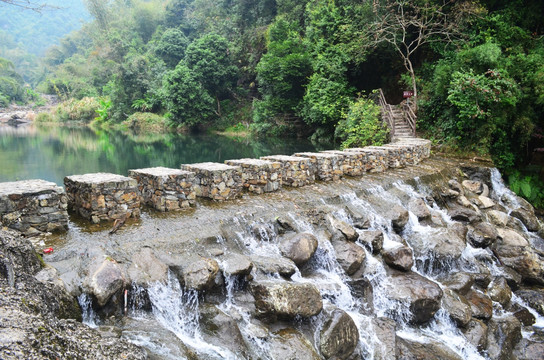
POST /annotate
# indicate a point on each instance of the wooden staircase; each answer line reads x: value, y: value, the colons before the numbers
x: 400, y: 119
x: 402, y: 127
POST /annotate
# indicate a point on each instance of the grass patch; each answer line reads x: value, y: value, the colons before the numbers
x: 147, y: 122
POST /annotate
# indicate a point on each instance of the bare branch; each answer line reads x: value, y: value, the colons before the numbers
x: 29, y: 5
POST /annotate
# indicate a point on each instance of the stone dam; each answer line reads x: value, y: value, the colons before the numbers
x: 291, y: 257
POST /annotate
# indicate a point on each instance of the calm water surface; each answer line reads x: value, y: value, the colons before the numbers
x: 51, y: 153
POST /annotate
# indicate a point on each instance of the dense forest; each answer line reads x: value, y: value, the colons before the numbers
x: 308, y: 68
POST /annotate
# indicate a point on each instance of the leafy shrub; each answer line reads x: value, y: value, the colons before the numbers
x: 82, y: 110
x: 147, y: 122
x: 45, y: 117
x: 530, y: 187
x: 104, y: 109
x: 362, y: 126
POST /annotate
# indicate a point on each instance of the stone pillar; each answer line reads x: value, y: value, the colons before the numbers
x: 259, y: 176
x: 296, y: 171
x: 216, y: 181
x: 103, y: 196
x: 327, y: 166
x: 165, y: 189
x: 33, y: 207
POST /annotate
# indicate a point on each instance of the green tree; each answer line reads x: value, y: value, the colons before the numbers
x: 171, y: 46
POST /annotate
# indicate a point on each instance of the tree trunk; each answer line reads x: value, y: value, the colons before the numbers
x: 410, y: 69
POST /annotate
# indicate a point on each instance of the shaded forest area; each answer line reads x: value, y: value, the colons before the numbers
x: 308, y: 67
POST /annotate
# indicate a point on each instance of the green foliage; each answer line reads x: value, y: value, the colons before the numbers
x: 11, y: 83
x: 104, y: 109
x: 171, y: 46
x: 45, y: 117
x: 362, y: 126
x: 78, y: 110
x: 146, y: 123
x: 530, y: 187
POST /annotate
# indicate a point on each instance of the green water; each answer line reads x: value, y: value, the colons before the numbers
x: 51, y: 153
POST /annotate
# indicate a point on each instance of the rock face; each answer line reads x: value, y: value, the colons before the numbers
x: 299, y: 247
x: 411, y: 350
x: 480, y: 304
x: 422, y: 295
x: 38, y: 315
x: 33, y: 207
x: 104, y: 280
x: 285, y: 299
x: 339, y: 336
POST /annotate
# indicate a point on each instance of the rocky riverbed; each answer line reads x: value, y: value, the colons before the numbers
x: 439, y: 261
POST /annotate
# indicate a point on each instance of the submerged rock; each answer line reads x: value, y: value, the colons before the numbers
x: 286, y: 299
x: 500, y: 292
x: 385, y: 330
x: 339, y: 336
x: 476, y: 333
x: 533, y: 298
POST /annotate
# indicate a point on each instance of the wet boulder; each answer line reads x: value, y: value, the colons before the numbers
x: 372, y: 240
x: 286, y: 299
x: 499, y: 291
x: 362, y: 289
x: 289, y: 344
x: 427, y: 349
x: 475, y: 187
x: 419, y: 209
x: 461, y: 282
x: 349, y: 255
x: 503, y: 336
x: 399, y: 217
x: 299, y: 247
x: 335, y: 224
x: 480, y: 304
x: 457, y: 306
x: 440, y: 245
x: 422, y: 296
x: 147, y: 268
x: 200, y: 274
x: 454, y: 185
x: 263, y: 232
x: 104, y: 280
x: 235, y: 265
x: 522, y: 314
x: 464, y: 215
x: 534, y: 298
x: 497, y: 217
x: 528, y: 218
x: 274, y: 265
x: 399, y: 257
x: 482, y: 235
x: 529, y: 350
x: 339, y: 336
x: 476, y: 333
x: 386, y: 334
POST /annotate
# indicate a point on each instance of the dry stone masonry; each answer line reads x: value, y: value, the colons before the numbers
x: 33, y: 207
x: 216, y: 181
x: 327, y: 166
x: 352, y: 163
x: 165, y: 189
x: 103, y: 196
x: 296, y: 171
x: 259, y: 176
x: 376, y: 159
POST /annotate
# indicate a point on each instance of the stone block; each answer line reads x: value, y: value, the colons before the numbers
x: 352, y: 163
x: 295, y: 171
x: 397, y: 157
x: 259, y: 176
x: 216, y: 181
x: 33, y: 207
x: 103, y: 196
x: 327, y: 166
x: 165, y: 189
x: 421, y: 148
x: 376, y: 158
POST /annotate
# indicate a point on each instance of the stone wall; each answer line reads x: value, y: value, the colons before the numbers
x: 33, y: 207
x: 259, y: 176
x: 165, y: 189
x: 327, y: 166
x: 216, y: 181
x: 296, y: 171
x: 102, y: 196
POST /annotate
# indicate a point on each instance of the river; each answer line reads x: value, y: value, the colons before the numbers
x: 53, y: 152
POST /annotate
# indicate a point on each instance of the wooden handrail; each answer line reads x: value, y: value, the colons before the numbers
x: 411, y: 118
x: 387, y: 112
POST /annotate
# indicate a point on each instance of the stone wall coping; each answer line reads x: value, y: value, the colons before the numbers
x: 161, y: 171
x: 250, y: 162
x: 100, y: 178
x: 210, y: 166
x: 284, y: 158
x: 322, y: 155
x: 29, y: 187
x: 368, y: 149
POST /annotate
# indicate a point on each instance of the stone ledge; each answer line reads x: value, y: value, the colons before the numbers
x: 259, y: 176
x: 165, y: 189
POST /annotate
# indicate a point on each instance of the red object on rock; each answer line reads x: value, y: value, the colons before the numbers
x: 48, y: 250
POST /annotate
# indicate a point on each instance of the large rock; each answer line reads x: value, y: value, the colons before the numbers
x: 104, y: 280
x: 528, y: 218
x: 534, y: 298
x: 529, y: 350
x: 350, y: 256
x: 274, y: 265
x: 482, y: 235
x: 428, y: 349
x: 457, y: 306
x: 421, y: 295
x: 464, y: 215
x: 400, y: 257
x: 385, y: 330
x: 289, y: 344
x: 460, y: 282
x: 498, y: 218
x: 419, y: 209
x: 499, y: 291
x: 475, y: 187
x: 286, y: 299
x: 147, y: 268
x: 372, y: 239
x: 476, y: 334
x: 361, y: 289
x: 339, y: 336
x: 346, y: 229
x: 399, y: 217
x: 200, y: 274
x: 235, y: 265
x: 503, y: 336
x: 439, y: 246
x: 299, y: 247
x: 480, y: 304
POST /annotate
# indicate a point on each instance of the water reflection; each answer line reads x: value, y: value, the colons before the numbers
x: 52, y: 152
